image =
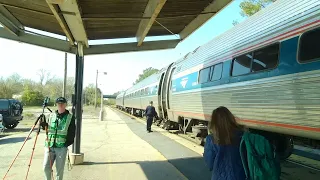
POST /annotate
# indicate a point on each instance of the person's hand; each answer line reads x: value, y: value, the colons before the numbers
x: 44, y: 124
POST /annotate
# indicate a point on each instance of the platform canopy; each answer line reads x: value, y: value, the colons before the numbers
x: 84, y: 20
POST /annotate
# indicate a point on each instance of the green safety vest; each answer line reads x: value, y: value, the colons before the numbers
x: 58, y: 130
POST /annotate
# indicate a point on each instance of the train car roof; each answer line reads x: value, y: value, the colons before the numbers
x: 121, y: 94
x: 269, y: 23
x: 149, y: 80
x: 154, y: 78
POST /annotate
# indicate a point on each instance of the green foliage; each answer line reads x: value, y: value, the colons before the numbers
x: 250, y: 7
x: 32, y: 93
x: 110, y: 102
x: 89, y: 95
x: 11, y: 85
x: 146, y: 73
x: 32, y: 98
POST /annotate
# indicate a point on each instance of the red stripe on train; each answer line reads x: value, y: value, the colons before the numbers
x: 290, y: 126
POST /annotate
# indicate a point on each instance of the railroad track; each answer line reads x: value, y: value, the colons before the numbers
x: 303, y: 165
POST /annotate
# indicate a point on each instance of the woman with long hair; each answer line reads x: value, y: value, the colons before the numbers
x: 221, y: 151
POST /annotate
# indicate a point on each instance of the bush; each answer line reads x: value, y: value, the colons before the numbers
x: 32, y: 98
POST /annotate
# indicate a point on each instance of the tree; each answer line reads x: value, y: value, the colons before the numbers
x: 33, y: 93
x: 44, y: 76
x: 146, y: 73
x: 89, y: 95
x: 32, y: 98
x: 116, y: 93
x: 250, y: 7
x: 5, y: 90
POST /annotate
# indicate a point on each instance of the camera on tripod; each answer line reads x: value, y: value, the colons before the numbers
x: 45, y: 102
x: 43, y: 122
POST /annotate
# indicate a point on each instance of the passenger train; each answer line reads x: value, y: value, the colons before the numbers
x: 266, y: 70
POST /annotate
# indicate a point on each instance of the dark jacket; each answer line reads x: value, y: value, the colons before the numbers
x: 71, y: 130
x: 224, y: 160
x: 151, y: 111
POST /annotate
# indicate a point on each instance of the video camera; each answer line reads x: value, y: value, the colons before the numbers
x: 42, y: 117
x: 45, y: 102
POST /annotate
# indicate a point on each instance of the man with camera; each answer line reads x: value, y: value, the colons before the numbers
x: 61, y: 132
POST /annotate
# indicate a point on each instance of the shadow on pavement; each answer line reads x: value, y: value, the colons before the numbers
x: 12, y: 140
x: 157, y: 170
x: 18, y: 130
x: 188, y: 162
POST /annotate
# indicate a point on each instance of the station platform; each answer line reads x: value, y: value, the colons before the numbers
x: 117, y: 148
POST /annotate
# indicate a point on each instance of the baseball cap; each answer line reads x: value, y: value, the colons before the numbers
x: 61, y: 100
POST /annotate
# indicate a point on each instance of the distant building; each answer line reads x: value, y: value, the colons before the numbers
x: 17, y: 96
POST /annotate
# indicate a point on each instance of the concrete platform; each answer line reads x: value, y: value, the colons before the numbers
x: 117, y: 148
x: 120, y: 148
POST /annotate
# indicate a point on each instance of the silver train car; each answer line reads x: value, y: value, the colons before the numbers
x: 266, y: 70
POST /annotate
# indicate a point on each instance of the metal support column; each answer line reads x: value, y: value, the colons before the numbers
x: 64, y: 88
x: 78, y: 97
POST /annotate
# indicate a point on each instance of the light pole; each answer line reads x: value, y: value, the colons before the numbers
x: 101, y: 106
x: 95, y: 97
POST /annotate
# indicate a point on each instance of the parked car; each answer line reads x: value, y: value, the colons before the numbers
x: 11, y: 112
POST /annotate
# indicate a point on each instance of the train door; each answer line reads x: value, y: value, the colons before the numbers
x: 169, y: 87
x: 159, y: 96
x: 163, y: 96
x: 169, y: 95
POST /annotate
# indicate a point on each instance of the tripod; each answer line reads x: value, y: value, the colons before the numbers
x: 41, y: 120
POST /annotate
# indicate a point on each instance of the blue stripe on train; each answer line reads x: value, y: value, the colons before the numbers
x: 287, y: 65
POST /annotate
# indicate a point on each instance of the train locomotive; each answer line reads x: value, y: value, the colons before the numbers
x: 266, y: 70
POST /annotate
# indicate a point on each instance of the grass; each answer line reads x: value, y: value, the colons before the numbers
x: 91, y: 111
x: 31, y: 113
x: 36, y: 107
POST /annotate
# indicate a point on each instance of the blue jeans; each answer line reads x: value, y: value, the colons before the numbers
x: 57, y: 155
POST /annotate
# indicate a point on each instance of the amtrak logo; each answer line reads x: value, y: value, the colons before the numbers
x: 184, y: 82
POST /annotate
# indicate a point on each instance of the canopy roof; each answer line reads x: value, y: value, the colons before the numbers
x: 84, y: 20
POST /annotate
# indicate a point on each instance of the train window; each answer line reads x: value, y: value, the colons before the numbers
x: 204, y: 75
x: 216, y: 72
x: 309, y: 46
x: 242, y: 65
x: 265, y: 58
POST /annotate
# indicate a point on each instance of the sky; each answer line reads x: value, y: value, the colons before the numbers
x: 122, y: 68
